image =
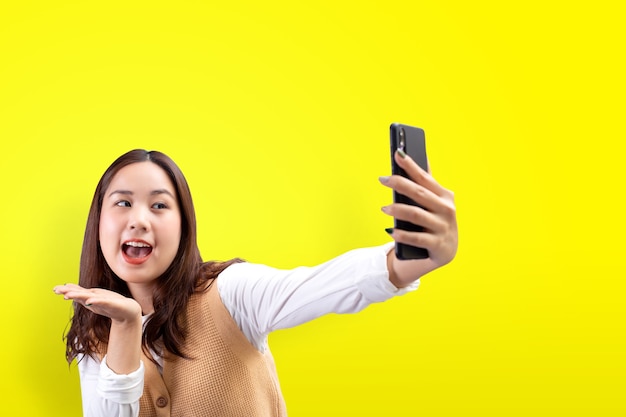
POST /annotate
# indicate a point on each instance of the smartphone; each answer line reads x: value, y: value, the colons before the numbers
x: 413, y: 142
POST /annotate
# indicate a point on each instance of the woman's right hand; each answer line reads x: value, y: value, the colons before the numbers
x: 124, y: 344
x: 103, y: 302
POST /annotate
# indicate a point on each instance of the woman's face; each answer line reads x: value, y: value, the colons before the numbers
x: 140, y: 223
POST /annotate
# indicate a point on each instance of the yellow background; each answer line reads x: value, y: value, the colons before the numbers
x: 278, y: 114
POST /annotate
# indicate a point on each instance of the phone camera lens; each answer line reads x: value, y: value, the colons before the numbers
x: 401, y: 144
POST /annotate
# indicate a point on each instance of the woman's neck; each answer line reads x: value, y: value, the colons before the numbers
x: 142, y: 293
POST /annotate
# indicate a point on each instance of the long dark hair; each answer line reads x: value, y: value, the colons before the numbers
x: 166, y: 328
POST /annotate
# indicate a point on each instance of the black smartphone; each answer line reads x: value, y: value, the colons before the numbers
x: 413, y: 142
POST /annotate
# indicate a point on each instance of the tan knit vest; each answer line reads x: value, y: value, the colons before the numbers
x: 226, y: 376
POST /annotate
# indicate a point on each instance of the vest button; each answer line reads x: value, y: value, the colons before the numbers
x: 161, y: 402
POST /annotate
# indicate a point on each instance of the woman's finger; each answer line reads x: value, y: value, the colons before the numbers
x: 62, y: 289
x: 415, y: 215
x: 419, y: 239
x: 79, y: 296
x: 420, y: 176
x: 421, y: 195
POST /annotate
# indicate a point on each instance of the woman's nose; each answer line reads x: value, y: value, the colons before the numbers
x: 139, y: 220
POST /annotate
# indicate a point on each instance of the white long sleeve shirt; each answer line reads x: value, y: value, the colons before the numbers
x: 260, y: 299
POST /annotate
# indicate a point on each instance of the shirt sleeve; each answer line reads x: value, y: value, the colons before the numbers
x: 262, y: 299
x: 107, y: 394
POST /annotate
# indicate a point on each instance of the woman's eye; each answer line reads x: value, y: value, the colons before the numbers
x: 159, y: 206
x: 123, y: 203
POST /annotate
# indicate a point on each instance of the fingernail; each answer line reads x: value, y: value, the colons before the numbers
x: 384, y: 179
x: 389, y: 230
x: 385, y: 209
x: 401, y: 153
x: 88, y: 305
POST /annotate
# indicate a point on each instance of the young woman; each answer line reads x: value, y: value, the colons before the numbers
x: 157, y: 332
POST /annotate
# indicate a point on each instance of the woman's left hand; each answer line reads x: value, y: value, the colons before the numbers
x: 438, y: 218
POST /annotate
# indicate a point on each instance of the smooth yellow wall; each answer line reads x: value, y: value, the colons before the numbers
x: 278, y: 113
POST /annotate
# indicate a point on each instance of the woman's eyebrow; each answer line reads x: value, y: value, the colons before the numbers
x: 162, y: 191
x: 125, y: 192
x: 154, y: 192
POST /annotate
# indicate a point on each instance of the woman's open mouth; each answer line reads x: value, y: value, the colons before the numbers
x: 136, y: 251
